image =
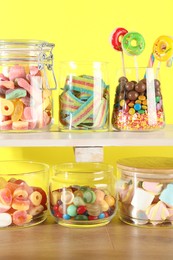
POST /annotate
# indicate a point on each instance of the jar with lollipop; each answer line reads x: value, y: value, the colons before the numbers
x: 138, y: 104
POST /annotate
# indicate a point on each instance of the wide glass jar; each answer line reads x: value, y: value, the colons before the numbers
x: 26, y: 82
x: 145, y: 191
x: 82, y: 194
x: 138, y: 103
x: 84, y: 96
x: 23, y: 193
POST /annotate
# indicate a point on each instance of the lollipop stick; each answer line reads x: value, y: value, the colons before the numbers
x: 150, y: 63
x: 123, y: 64
x: 136, y: 66
x: 158, y: 69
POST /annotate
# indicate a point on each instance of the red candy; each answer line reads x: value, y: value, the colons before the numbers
x: 116, y: 36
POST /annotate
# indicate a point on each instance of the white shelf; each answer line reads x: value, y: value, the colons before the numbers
x: 162, y: 137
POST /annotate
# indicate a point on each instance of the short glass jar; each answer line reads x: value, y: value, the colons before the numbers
x: 26, y: 82
x: 138, y: 103
x: 145, y: 191
x: 82, y: 194
x: 84, y: 96
x: 23, y: 193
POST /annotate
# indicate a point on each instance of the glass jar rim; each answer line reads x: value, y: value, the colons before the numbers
x: 44, y: 169
x: 97, y: 167
x: 147, y: 167
x: 25, y: 42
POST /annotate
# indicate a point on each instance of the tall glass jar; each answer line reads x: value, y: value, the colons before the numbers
x: 84, y: 96
x: 26, y: 82
x: 82, y: 194
x: 138, y: 104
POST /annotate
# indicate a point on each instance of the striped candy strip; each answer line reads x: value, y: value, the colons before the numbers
x: 82, y: 84
x: 84, y: 111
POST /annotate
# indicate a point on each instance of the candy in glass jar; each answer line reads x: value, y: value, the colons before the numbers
x: 145, y: 191
x: 82, y: 194
x: 84, y: 96
x: 138, y: 103
x: 26, y: 82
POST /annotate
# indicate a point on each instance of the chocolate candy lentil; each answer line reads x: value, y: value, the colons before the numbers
x: 82, y: 203
x: 134, y: 109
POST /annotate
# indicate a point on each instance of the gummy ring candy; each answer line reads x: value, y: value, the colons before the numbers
x: 163, y: 48
x: 6, y: 107
x: 133, y: 43
x: 116, y: 36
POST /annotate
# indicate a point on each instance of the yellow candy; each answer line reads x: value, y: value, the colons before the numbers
x: 138, y: 101
x: 144, y: 107
x: 141, y: 97
x: 6, y: 107
x: 47, y: 104
x: 18, y: 111
x: 110, y: 200
x: 131, y: 104
x: 163, y: 48
x: 104, y: 205
x: 122, y: 102
x: 131, y: 111
x: 144, y: 102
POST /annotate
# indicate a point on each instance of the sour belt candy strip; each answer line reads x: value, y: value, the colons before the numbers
x: 82, y: 113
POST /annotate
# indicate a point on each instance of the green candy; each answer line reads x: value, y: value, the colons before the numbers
x: 16, y: 93
x: 72, y: 210
x: 141, y: 111
x: 78, y: 201
x: 81, y: 217
x: 89, y: 196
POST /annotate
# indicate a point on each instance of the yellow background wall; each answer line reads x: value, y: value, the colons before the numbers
x: 81, y: 30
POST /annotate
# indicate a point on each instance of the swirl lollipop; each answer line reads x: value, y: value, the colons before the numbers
x: 116, y: 43
x: 133, y: 44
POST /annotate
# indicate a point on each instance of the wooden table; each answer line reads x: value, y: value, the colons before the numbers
x: 113, y: 241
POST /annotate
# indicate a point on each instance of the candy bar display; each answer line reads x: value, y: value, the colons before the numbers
x: 26, y: 83
x: 145, y: 191
x: 84, y: 96
x: 82, y: 194
x: 23, y: 193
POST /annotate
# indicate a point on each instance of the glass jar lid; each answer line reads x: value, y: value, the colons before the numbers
x: 147, y: 167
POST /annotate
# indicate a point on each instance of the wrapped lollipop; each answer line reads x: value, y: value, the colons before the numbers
x: 116, y: 37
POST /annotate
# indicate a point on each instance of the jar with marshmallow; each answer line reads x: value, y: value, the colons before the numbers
x: 145, y: 191
x: 26, y: 83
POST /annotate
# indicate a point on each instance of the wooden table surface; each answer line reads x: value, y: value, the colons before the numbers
x: 113, y: 241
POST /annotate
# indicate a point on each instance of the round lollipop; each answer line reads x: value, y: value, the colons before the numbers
x: 163, y: 50
x: 133, y: 44
x: 116, y: 42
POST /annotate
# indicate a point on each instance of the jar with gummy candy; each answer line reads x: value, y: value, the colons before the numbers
x: 84, y: 96
x: 23, y: 193
x: 26, y: 82
x: 82, y: 194
x: 145, y: 191
x: 138, y: 103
